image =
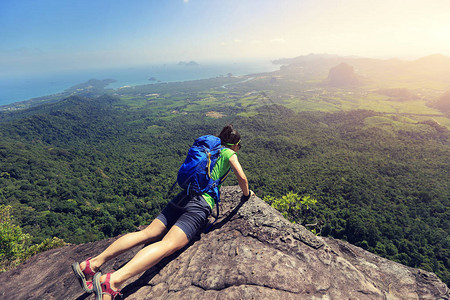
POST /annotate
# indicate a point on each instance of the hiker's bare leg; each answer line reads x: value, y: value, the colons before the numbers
x: 149, y: 256
x: 153, y: 232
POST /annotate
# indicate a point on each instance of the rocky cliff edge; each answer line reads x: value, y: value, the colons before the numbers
x: 252, y: 252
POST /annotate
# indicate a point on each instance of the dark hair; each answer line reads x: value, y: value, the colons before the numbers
x: 229, y: 135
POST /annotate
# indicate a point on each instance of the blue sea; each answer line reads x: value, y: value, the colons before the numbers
x: 15, y: 89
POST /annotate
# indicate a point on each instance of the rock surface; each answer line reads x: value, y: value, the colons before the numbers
x: 252, y: 252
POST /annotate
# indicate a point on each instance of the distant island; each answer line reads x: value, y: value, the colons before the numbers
x: 188, y: 64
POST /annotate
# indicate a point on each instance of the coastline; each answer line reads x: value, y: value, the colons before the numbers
x: 28, y: 87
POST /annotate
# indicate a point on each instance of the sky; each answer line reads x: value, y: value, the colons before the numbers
x: 53, y: 35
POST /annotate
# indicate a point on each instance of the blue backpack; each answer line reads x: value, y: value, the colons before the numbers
x: 194, y: 174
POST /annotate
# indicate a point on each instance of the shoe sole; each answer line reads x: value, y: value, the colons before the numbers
x: 81, y: 278
x: 97, y: 286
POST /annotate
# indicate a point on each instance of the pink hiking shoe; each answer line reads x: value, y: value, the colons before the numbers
x: 81, y: 275
x: 101, y: 288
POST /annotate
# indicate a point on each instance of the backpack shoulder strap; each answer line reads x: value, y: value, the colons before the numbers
x: 222, y: 179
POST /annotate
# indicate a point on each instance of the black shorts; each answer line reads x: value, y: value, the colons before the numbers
x: 190, y: 213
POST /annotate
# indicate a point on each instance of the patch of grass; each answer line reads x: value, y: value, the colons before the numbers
x: 443, y: 121
x: 298, y: 105
x: 210, y: 100
x: 132, y: 101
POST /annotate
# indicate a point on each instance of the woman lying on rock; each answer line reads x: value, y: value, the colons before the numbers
x: 175, y: 226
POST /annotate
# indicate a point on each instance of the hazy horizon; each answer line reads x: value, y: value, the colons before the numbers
x: 51, y: 36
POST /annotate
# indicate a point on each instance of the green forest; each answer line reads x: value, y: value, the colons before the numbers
x: 88, y: 167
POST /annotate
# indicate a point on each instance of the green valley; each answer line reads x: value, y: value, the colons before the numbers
x: 375, y: 155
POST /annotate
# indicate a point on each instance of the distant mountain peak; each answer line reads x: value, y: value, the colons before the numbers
x: 342, y: 75
x: 188, y: 64
x: 434, y: 60
x: 433, y: 57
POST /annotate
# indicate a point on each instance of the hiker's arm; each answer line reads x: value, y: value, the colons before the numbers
x: 242, y: 179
